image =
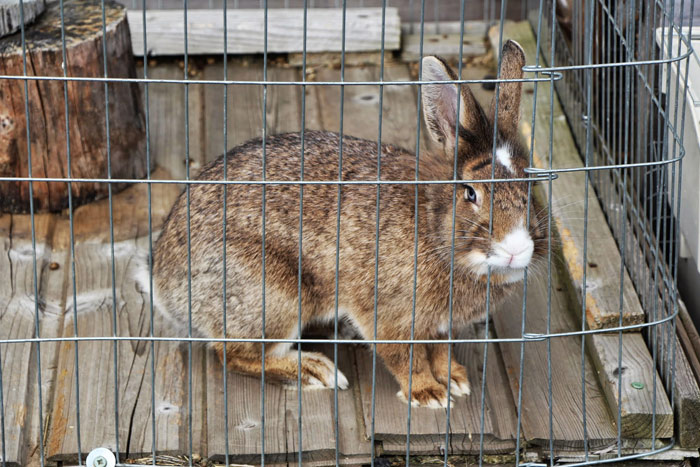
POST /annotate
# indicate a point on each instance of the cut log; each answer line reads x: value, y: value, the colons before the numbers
x: 87, y: 137
x: 12, y: 14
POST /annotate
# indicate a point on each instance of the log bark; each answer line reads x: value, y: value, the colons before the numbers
x: 86, y: 140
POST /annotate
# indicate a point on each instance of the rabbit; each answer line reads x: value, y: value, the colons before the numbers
x: 508, y: 250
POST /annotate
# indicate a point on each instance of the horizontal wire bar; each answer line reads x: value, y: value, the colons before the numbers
x: 555, y: 77
x: 273, y: 182
x: 527, y: 337
x: 661, y: 61
x: 538, y: 170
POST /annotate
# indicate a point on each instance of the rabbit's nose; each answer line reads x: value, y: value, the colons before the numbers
x: 515, y: 249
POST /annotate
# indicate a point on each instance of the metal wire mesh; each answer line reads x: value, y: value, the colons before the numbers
x: 615, y: 63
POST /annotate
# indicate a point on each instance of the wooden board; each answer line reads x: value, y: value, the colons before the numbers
x: 95, y: 313
x: 361, y: 105
x: 166, y: 110
x: 428, y: 426
x: 244, y: 105
x: 567, y: 411
x: 281, y: 419
x: 637, y: 385
x: 245, y: 31
x: 17, y: 314
x: 444, y: 45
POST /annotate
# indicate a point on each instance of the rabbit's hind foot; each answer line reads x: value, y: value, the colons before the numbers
x: 317, y: 370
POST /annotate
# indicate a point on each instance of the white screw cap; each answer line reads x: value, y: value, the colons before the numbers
x: 100, y: 457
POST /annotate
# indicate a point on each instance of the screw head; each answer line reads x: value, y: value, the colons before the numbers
x: 100, y: 457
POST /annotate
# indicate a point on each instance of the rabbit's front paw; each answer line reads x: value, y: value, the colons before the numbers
x: 318, y: 372
x: 433, y: 395
x: 459, y: 382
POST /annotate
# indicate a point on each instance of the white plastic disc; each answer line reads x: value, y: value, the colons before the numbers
x: 101, y: 457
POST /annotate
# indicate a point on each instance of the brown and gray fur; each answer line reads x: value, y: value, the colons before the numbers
x: 356, y: 274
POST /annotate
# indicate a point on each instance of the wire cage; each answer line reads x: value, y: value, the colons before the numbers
x: 602, y: 127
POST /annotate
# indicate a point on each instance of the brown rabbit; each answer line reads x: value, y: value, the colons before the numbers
x: 508, y: 250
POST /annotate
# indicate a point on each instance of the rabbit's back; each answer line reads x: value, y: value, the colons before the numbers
x: 319, y: 235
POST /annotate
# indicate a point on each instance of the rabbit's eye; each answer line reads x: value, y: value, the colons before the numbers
x: 469, y: 194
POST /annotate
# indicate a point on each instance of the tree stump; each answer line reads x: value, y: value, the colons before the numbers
x: 87, y: 131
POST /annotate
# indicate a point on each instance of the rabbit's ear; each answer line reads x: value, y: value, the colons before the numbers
x: 440, y: 105
x: 512, y: 63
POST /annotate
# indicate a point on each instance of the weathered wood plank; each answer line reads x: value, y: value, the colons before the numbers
x: 637, y: 373
x: 166, y: 109
x: 18, y: 307
x: 602, y: 261
x: 244, y: 417
x: 53, y: 283
x: 244, y: 105
x: 686, y: 397
x: 566, y: 406
x: 428, y: 426
x: 205, y: 31
x: 444, y: 45
x: 361, y: 105
x: 95, y: 312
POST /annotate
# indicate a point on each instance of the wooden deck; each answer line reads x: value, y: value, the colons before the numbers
x: 96, y: 295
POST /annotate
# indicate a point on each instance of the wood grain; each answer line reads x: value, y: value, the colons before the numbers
x: 244, y: 105
x: 566, y: 374
x: 428, y: 426
x: 245, y: 31
x: 166, y: 111
x: 636, y: 404
x: 18, y: 310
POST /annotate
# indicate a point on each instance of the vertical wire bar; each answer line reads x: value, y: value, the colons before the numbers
x: 415, y: 238
x: 623, y: 237
x: 550, y: 396
x: 337, y: 239
x: 376, y: 235
x: 189, y: 238
x: 662, y: 239
x: 488, y: 271
x: 33, y: 229
x: 115, y: 347
x: 223, y: 240
x: 151, y: 329
x: 589, y: 18
x: 450, y: 305
x: 656, y: 219
x: 3, y: 451
x: 264, y: 235
x: 301, y: 233
x: 72, y: 239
